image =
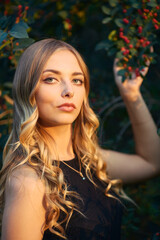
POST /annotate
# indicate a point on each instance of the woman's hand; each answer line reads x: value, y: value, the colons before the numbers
x: 130, y: 88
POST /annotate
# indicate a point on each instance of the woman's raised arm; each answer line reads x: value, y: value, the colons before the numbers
x: 24, y: 214
x: 146, y: 161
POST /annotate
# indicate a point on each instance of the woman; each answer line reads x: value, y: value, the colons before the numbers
x: 56, y: 181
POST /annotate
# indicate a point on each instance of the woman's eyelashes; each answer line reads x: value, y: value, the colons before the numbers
x: 50, y: 80
x: 78, y: 81
x: 53, y: 80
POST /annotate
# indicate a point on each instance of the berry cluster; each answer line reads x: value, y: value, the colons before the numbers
x: 134, y: 25
x: 21, y: 12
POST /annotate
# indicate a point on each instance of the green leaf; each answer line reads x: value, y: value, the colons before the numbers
x: 115, y: 10
x: 113, y: 3
x: 5, y: 21
x: 3, y: 35
x: 152, y: 54
x: 111, y: 51
x: 104, y: 44
x: 106, y: 10
x: 119, y: 22
x: 119, y: 55
x: 133, y: 51
x: 121, y: 73
x: 120, y: 43
x: 112, y: 35
x: 63, y: 14
x: 106, y: 20
x: 25, y: 25
x: 8, y: 84
x: 139, y: 21
x: 136, y: 5
x: 129, y: 11
x: 147, y: 27
x: 19, y: 30
x: 23, y: 43
x: 152, y: 4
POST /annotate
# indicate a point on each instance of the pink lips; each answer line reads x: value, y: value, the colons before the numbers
x: 67, y: 107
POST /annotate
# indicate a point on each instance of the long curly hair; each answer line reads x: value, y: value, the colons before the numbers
x: 28, y: 143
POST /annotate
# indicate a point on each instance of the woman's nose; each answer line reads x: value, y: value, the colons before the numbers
x: 68, y: 91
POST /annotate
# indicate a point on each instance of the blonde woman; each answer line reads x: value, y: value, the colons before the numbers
x: 56, y: 182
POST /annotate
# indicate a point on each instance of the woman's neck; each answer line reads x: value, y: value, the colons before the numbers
x: 62, y: 140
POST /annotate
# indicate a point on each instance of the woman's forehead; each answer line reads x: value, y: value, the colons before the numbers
x: 63, y: 60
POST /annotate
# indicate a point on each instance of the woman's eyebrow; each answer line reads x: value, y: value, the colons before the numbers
x: 59, y: 73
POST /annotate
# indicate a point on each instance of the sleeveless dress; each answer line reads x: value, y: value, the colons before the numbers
x: 103, y: 214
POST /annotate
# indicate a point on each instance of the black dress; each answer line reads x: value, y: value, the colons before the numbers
x: 103, y: 214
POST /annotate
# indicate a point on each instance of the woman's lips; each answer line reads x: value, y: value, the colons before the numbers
x: 67, y: 107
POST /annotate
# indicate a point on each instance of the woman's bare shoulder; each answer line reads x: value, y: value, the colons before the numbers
x: 24, y: 211
x: 24, y: 178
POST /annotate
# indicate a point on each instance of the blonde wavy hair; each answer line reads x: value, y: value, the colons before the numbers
x: 29, y: 144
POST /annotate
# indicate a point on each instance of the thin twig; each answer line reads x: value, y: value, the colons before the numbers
x: 8, y: 99
x: 5, y: 113
x: 4, y: 122
x: 110, y: 110
x: 122, y: 131
x: 104, y: 108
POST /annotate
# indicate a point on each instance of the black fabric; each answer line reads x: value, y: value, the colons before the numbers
x: 103, y: 214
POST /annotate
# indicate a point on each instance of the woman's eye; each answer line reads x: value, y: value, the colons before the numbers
x: 49, y: 80
x: 78, y: 81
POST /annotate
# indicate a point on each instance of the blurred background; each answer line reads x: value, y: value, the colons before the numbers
x: 80, y: 24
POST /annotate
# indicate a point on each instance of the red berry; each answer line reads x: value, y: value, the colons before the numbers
x: 10, y: 57
x: 123, y: 49
x: 124, y: 10
x: 157, y: 7
x: 154, y: 20
x: 5, y: 13
x: 146, y: 10
x: 125, y: 20
x: 129, y: 68
x: 156, y: 26
x: 140, y: 11
x: 68, y: 20
x: 126, y: 40
x: 130, y: 46
x: 17, y: 43
x: 141, y: 40
x: 155, y: 14
x: 144, y: 16
x: 148, y: 42
x: 140, y: 29
x: 19, y: 6
x: 26, y: 8
x: 121, y: 35
x: 121, y: 29
x: 126, y: 52
x: 137, y: 72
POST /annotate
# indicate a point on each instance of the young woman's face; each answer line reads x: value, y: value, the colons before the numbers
x: 61, y: 91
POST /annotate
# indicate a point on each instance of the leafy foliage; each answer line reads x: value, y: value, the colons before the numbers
x: 133, y: 25
x: 80, y: 24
